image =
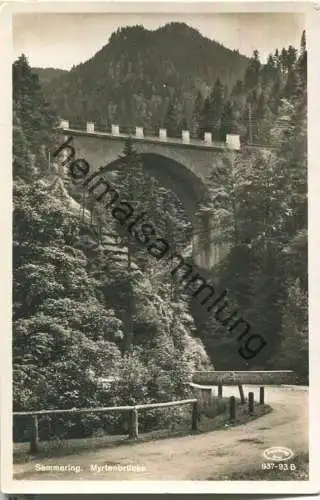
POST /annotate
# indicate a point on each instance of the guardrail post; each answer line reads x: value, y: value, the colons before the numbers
x: 261, y: 401
x: 133, y: 424
x: 211, y: 397
x: 242, y: 397
x: 219, y: 391
x: 232, y: 407
x: 251, y: 402
x: 195, y: 415
x: 34, y: 438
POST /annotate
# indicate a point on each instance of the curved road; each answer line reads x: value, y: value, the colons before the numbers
x: 212, y: 455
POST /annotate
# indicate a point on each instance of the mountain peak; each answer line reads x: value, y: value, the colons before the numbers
x: 132, y: 79
x: 178, y: 28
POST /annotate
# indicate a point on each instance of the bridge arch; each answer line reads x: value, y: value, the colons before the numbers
x: 173, y: 175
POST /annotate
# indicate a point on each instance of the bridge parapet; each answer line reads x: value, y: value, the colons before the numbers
x: 208, y: 137
x: 115, y: 130
x: 90, y: 127
x: 139, y: 132
x: 64, y: 124
x: 232, y: 140
x: 186, y: 136
x: 163, y: 134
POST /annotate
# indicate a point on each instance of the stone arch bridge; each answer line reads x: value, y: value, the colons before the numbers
x: 181, y: 165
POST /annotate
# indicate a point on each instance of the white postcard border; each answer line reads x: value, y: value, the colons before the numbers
x: 8, y: 485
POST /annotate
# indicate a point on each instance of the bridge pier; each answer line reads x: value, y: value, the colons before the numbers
x: 205, y: 249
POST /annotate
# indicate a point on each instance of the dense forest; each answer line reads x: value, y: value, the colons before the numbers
x: 79, y: 311
x: 46, y: 75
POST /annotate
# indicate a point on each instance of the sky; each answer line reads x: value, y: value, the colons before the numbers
x: 64, y: 40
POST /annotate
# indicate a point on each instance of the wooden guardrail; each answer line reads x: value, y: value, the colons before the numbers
x: 133, y: 416
x: 205, y: 393
x: 203, y: 382
x: 259, y: 377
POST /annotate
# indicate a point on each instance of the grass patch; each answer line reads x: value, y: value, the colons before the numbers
x: 211, y: 418
x: 301, y: 472
x: 216, y: 417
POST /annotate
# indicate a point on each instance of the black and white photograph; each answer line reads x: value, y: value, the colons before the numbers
x: 160, y: 327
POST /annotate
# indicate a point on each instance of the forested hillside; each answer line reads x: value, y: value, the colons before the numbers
x: 79, y: 313
x: 259, y: 203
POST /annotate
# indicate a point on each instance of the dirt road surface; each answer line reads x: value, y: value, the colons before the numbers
x: 211, y: 455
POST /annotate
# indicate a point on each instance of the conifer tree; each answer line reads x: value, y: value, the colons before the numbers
x: 216, y: 102
x: 171, y: 121
x: 35, y: 116
x: 206, y: 120
x: 228, y: 121
x: 196, y: 117
x: 251, y: 78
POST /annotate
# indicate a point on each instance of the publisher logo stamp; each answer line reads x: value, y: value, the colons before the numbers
x: 278, y: 453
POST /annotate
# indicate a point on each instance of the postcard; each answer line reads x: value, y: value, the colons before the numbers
x: 159, y: 227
